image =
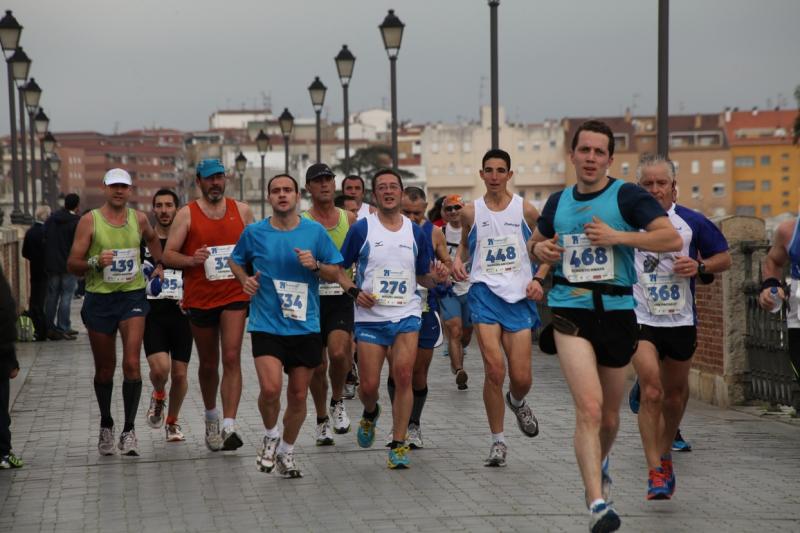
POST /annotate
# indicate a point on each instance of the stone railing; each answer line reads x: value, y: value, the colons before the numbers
x: 14, y: 266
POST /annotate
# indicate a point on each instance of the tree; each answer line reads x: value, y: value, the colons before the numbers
x: 365, y: 161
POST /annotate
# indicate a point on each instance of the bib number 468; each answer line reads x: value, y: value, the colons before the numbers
x: 588, y: 257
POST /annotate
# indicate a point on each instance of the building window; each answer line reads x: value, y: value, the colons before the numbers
x: 785, y: 203
x: 695, y: 191
x: 784, y: 169
x: 466, y: 147
x: 718, y: 166
x: 784, y: 178
x: 450, y: 148
x: 537, y: 195
x: 520, y: 146
x: 766, y: 210
x: 745, y: 185
x: 451, y: 169
x: 718, y: 189
x: 520, y: 170
x: 695, y: 167
x: 744, y: 161
x: 765, y: 162
x: 784, y: 156
x: 467, y: 171
x: 626, y: 168
x: 537, y: 168
x: 536, y: 147
x: 553, y: 143
x: 746, y: 210
x: 766, y: 185
x: 785, y: 193
x: 435, y: 148
x: 435, y: 171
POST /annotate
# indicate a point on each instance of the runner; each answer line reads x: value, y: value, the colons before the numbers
x: 336, y: 311
x: 288, y: 255
x: 453, y: 305
x: 201, y: 239
x: 106, y: 252
x: 589, y: 231
x: 430, y: 333
x: 167, y: 334
x: 348, y: 203
x: 393, y: 256
x: 494, y: 230
x: 667, y: 320
x: 353, y: 185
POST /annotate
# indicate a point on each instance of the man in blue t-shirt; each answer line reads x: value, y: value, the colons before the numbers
x: 589, y: 232
x: 288, y: 256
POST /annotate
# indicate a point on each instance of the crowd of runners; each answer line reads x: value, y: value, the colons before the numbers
x: 331, y: 294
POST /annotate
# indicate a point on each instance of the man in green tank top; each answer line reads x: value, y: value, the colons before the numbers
x: 336, y: 312
x: 106, y: 252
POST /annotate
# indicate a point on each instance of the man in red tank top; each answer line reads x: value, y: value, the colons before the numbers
x: 203, y: 235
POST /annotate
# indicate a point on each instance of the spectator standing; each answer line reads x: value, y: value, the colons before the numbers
x: 33, y: 250
x: 59, y: 233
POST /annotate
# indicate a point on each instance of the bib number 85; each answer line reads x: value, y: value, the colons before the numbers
x: 587, y: 258
x: 501, y: 254
x: 391, y: 287
x: 664, y: 293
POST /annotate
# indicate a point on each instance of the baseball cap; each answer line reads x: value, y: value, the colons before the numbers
x: 210, y: 167
x: 318, y: 170
x: 453, y: 199
x: 116, y: 176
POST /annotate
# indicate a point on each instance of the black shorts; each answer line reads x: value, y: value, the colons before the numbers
x: 335, y: 312
x: 102, y: 312
x: 207, y: 318
x: 677, y: 342
x: 291, y: 350
x: 168, y: 332
x: 614, y: 335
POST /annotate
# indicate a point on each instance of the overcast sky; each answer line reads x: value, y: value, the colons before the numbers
x: 106, y: 64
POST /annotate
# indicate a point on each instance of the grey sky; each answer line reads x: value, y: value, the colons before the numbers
x: 173, y: 62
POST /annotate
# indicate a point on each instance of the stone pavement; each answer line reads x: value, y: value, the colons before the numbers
x: 743, y: 475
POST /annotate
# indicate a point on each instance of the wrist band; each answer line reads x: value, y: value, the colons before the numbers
x: 540, y: 280
x: 94, y: 262
x: 771, y: 282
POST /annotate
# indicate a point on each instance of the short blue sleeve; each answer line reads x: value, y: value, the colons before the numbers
x: 545, y: 222
x: 327, y: 252
x: 637, y: 206
x: 354, y: 241
x: 424, y: 251
x: 242, y: 252
x: 708, y: 239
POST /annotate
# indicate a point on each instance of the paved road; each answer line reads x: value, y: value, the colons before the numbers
x: 742, y: 476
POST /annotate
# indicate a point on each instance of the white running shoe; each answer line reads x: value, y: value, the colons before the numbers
x: 497, y: 455
x: 213, y: 438
x: 286, y: 466
x: 349, y: 391
x: 265, y: 458
x: 128, y: 444
x: 231, y: 439
x: 414, y: 439
x: 341, y: 422
x: 324, y: 434
x: 174, y: 433
x: 155, y: 414
x: 105, y: 445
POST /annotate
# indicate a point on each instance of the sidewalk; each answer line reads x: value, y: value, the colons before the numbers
x: 741, y: 476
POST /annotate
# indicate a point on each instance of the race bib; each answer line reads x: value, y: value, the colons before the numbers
x: 666, y: 293
x: 172, y: 286
x: 392, y: 287
x: 123, y: 267
x: 294, y: 298
x: 583, y: 262
x: 216, y: 266
x: 423, y: 294
x: 330, y: 289
x: 500, y: 255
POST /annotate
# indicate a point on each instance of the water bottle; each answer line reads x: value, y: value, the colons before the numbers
x: 777, y: 302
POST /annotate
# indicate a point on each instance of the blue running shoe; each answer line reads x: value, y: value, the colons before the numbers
x: 633, y: 397
x: 680, y: 445
x: 398, y: 457
x: 604, y: 518
x: 657, y: 488
x: 366, y: 430
x: 669, y: 473
x: 606, y: 478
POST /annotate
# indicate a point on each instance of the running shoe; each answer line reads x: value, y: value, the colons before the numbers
x: 606, y: 480
x: 366, y: 429
x: 461, y: 379
x: 174, y: 433
x: 680, y: 445
x: 155, y: 414
x: 414, y: 436
x: 604, y: 518
x: 213, y: 438
x: 265, y: 458
x: 634, y: 396
x: 354, y: 369
x: 10, y: 461
x: 497, y: 455
x: 398, y: 457
x: 324, y: 433
x: 669, y: 472
x: 105, y: 445
x: 128, y: 443
x: 341, y: 422
x: 657, y: 488
x: 349, y: 389
x: 286, y: 466
x: 231, y: 440
x: 525, y: 420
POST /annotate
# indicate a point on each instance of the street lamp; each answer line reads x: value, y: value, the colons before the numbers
x: 241, y: 166
x: 345, y: 61
x: 10, y: 31
x: 40, y: 123
x: 286, y: 120
x: 20, y: 66
x: 33, y: 94
x: 262, y: 144
x: 54, y: 162
x: 493, y: 4
x: 392, y: 33
x: 317, y: 91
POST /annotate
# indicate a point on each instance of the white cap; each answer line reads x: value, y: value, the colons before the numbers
x: 117, y: 175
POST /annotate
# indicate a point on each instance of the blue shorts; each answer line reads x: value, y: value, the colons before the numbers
x: 384, y: 333
x: 103, y: 312
x: 488, y: 308
x: 454, y: 307
x: 430, y: 332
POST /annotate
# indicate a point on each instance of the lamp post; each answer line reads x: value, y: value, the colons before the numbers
x: 48, y: 147
x: 493, y: 4
x: 10, y: 30
x: 662, y: 121
x: 32, y: 93
x: 21, y: 65
x: 241, y: 166
x: 55, y: 164
x: 345, y: 61
x: 286, y: 120
x: 41, y: 123
x: 317, y: 91
x: 262, y: 144
x: 392, y: 33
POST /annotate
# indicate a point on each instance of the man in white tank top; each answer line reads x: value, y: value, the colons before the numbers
x: 495, y: 229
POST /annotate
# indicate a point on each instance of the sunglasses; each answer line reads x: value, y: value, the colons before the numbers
x: 452, y: 208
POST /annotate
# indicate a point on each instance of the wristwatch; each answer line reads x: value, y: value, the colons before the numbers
x: 317, y: 268
x: 701, y: 267
x: 353, y: 292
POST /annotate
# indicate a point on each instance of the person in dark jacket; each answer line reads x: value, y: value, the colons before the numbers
x: 59, y: 234
x: 33, y: 250
x: 9, y: 368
